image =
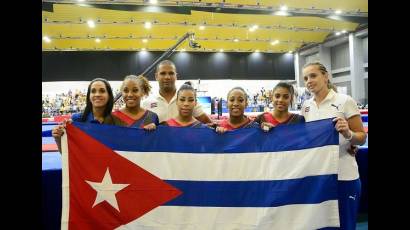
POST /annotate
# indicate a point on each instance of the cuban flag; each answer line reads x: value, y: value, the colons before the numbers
x: 193, y: 178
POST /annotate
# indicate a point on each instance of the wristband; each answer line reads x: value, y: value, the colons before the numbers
x: 351, y: 135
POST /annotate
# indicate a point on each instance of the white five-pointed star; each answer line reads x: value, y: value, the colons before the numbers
x: 106, y: 190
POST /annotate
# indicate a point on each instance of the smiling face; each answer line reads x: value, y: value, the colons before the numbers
x: 132, y: 93
x: 237, y: 103
x: 186, y: 102
x: 98, y: 94
x: 315, y: 79
x: 281, y: 99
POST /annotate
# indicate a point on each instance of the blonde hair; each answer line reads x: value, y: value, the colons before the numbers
x: 324, y: 71
x: 142, y: 81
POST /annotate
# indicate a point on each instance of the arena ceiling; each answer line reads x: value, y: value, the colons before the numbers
x: 228, y: 25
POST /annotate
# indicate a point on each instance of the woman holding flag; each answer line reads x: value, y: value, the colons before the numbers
x: 326, y: 103
x: 186, y: 102
x: 237, y: 102
x: 282, y: 98
x: 99, y: 104
x: 133, y: 115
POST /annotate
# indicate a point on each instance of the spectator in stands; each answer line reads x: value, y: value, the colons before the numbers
x: 326, y: 103
x: 100, y: 101
x: 255, y: 99
x: 186, y: 102
x: 237, y: 102
x: 133, y: 90
x: 61, y: 104
x: 164, y: 104
x: 283, y: 94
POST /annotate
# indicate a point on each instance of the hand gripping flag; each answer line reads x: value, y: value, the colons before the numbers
x: 187, y: 178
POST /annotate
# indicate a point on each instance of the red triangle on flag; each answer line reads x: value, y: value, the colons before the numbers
x: 88, y: 161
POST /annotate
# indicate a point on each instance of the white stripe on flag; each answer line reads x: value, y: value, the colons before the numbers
x: 289, y: 217
x: 238, y: 166
x: 65, y: 182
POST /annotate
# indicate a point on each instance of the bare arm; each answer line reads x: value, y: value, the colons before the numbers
x: 204, y: 118
x: 356, y: 125
x: 57, y: 132
x: 352, y: 129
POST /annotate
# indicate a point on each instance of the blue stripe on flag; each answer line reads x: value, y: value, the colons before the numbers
x: 47, y: 133
x: 255, y: 193
x: 205, y: 140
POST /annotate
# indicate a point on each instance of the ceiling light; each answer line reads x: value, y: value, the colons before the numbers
x: 256, y: 51
x: 145, y: 40
x: 147, y: 25
x: 80, y: 0
x: 253, y: 28
x: 337, y: 33
x: 97, y: 40
x: 338, y: 12
x: 143, y: 49
x: 154, y: 2
x: 91, y: 23
x: 344, y: 31
x: 46, y: 39
x: 281, y: 13
x: 284, y: 8
x: 221, y: 50
x: 274, y: 42
x: 182, y: 50
x: 290, y: 52
x: 201, y: 27
x: 236, y: 40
